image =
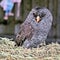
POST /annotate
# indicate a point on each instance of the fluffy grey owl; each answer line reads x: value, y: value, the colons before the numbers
x: 35, y: 28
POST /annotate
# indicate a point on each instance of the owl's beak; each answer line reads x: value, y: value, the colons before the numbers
x: 38, y: 19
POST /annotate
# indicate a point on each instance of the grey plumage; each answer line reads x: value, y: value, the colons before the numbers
x: 41, y: 29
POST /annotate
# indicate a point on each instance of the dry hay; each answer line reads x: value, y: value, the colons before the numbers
x: 10, y: 52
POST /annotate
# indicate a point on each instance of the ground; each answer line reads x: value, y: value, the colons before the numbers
x: 10, y: 52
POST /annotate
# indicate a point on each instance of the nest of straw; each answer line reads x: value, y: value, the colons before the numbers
x: 8, y: 51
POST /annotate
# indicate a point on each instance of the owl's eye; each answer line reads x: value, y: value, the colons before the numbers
x: 42, y: 14
x: 34, y: 14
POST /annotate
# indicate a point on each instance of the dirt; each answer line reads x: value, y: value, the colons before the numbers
x: 8, y: 51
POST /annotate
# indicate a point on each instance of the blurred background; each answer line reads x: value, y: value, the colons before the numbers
x: 24, y: 8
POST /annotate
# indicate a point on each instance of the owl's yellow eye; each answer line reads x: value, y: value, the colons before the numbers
x: 38, y: 19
